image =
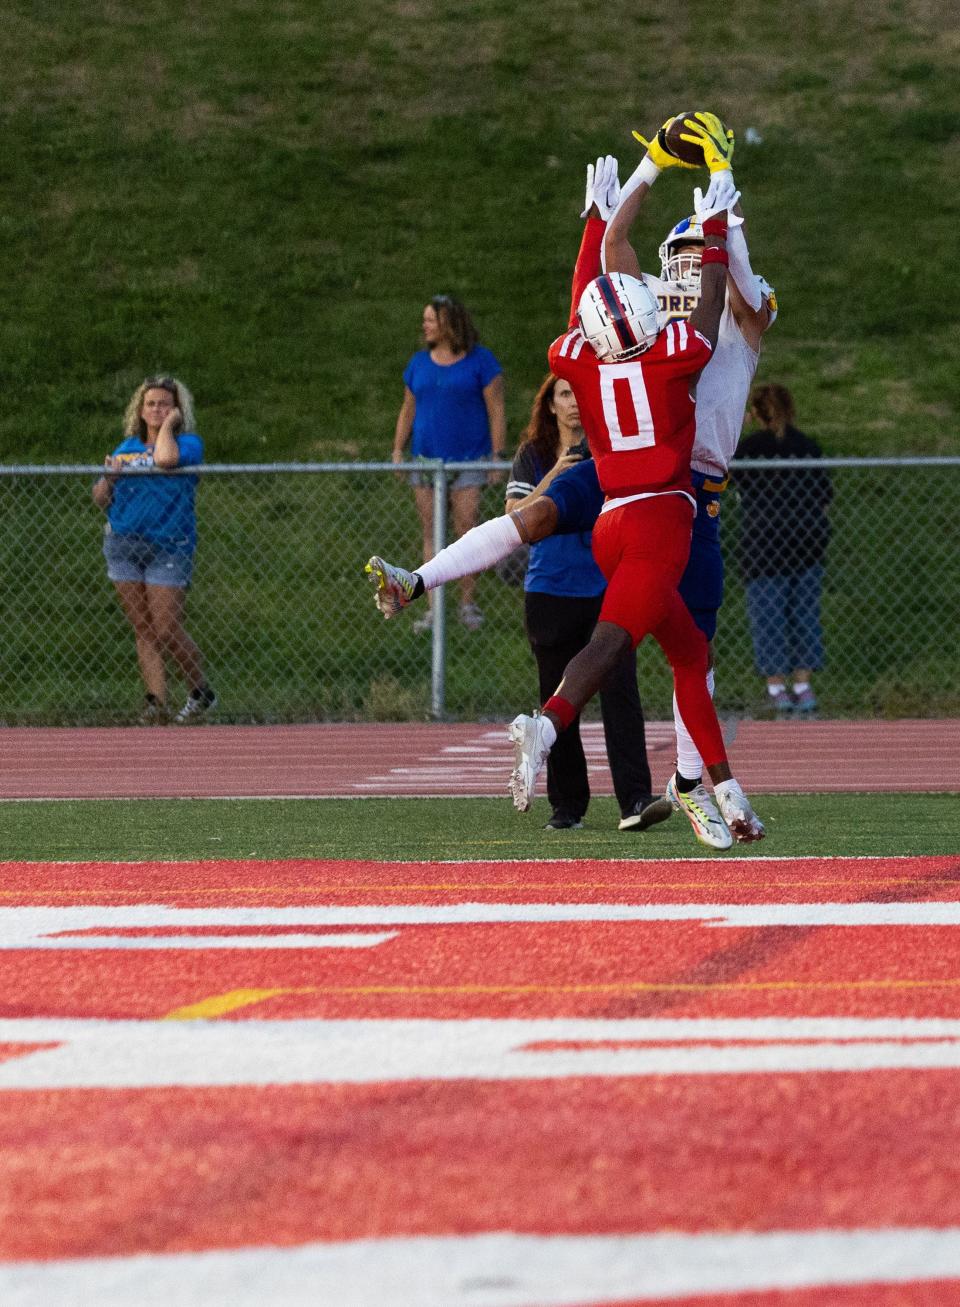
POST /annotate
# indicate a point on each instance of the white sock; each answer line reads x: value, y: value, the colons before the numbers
x: 689, y: 762
x: 732, y: 786
x: 479, y: 548
x: 775, y: 688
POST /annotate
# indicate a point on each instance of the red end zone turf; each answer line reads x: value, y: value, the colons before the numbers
x: 758, y: 1059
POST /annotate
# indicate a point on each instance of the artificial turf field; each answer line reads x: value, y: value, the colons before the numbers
x: 421, y: 1053
x: 401, y: 829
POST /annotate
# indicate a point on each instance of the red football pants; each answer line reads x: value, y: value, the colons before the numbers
x: 642, y: 550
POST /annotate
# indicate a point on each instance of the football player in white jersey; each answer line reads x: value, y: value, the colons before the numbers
x: 724, y: 385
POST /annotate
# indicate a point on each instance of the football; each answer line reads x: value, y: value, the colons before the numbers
x: 671, y: 142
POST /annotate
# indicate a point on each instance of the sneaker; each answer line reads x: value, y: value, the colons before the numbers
x: 563, y: 821
x: 529, y: 754
x: 199, y: 703
x: 646, y: 812
x: 781, y: 703
x: 708, y: 826
x: 805, y: 702
x: 471, y: 617
x: 393, y: 586
x: 153, y: 712
x: 743, y: 822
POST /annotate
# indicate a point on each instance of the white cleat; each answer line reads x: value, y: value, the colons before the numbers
x: 700, y: 810
x: 394, y: 586
x: 530, y: 748
x: 744, y: 823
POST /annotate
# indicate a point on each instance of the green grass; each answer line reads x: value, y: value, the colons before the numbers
x: 261, y: 198
x: 456, y: 829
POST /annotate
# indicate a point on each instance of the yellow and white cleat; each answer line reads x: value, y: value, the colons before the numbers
x: 701, y: 811
x: 393, y: 586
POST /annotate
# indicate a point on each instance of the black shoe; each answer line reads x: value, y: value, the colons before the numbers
x: 199, y: 703
x: 564, y: 821
x: 646, y: 812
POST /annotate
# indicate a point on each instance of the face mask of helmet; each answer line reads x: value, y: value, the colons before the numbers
x: 682, y: 270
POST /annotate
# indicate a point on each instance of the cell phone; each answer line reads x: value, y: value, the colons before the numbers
x: 583, y: 448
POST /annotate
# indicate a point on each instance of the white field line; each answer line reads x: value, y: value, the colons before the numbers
x: 639, y: 864
x: 492, y: 1270
x: 284, y: 940
x: 61, y: 927
x: 105, y: 1054
x: 384, y: 798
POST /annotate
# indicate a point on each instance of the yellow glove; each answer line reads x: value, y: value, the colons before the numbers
x: 706, y: 130
x: 658, y: 153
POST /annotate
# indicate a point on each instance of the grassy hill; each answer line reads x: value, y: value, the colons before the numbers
x: 261, y: 198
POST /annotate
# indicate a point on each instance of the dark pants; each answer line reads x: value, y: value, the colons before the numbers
x: 558, y: 628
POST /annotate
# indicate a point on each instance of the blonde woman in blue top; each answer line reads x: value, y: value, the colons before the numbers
x: 150, y: 538
x: 453, y: 408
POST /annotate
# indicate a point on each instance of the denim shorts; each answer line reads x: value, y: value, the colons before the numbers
x: 460, y: 481
x: 134, y: 558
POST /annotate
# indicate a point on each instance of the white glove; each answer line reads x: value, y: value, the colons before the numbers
x: 705, y: 206
x: 720, y: 190
x: 603, y: 187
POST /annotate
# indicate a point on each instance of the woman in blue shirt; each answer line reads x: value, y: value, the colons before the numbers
x: 150, y: 538
x: 564, y: 590
x: 453, y: 407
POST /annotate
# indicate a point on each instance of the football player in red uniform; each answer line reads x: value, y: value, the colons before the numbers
x: 633, y: 386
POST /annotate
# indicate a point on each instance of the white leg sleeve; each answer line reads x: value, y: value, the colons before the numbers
x: 689, y: 762
x: 479, y: 548
x: 745, y: 279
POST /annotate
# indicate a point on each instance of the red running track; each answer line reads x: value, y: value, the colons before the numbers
x: 426, y: 759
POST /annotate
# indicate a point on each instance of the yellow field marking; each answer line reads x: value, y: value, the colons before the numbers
x: 217, y: 1005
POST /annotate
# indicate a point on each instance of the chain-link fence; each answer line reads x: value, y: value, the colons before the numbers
x: 285, y: 620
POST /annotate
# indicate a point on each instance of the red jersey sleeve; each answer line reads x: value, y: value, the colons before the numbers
x: 679, y: 349
x: 588, y: 262
x: 566, y: 348
x: 564, y: 352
